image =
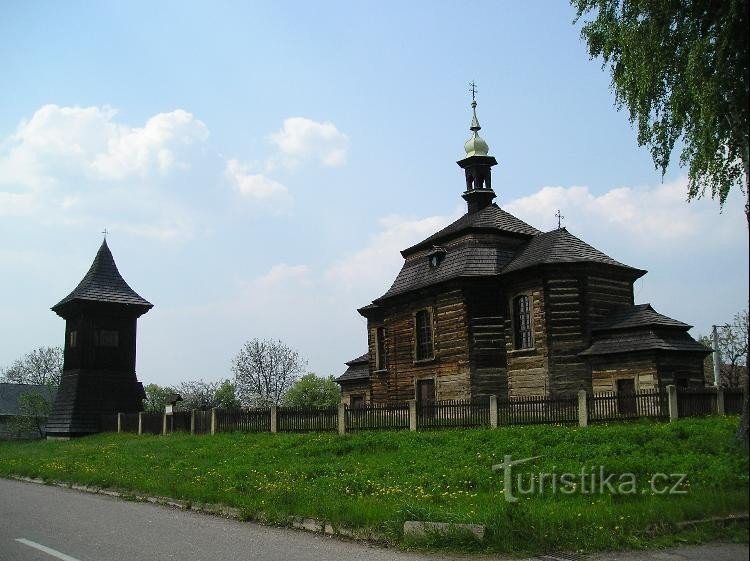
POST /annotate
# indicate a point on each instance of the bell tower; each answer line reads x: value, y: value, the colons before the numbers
x: 99, y: 365
x: 477, y: 165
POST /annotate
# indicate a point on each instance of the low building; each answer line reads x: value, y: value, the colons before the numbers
x: 18, y: 421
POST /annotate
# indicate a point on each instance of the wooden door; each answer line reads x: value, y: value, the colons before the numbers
x: 626, y: 397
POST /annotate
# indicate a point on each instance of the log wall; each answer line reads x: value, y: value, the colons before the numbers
x: 528, y: 369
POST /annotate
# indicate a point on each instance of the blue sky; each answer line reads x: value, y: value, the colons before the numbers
x: 260, y: 164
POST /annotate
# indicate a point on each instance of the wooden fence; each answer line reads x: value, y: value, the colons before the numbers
x: 453, y: 413
x: 242, y: 420
x: 300, y: 419
x: 659, y: 404
x: 374, y: 416
x: 652, y: 404
x: 533, y: 410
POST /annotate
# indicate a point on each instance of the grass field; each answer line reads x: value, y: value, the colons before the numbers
x: 381, y: 479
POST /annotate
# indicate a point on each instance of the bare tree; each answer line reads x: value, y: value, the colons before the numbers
x: 42, y: 366
x: 264, y: 370
x: 733, y: 346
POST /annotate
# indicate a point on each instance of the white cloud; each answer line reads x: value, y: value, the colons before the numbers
x: 81, y: 166
x: 303, y: 139
x: 651, y: 218
x: 375, y: 266
x: 257, y: 187
x: 59, y: 142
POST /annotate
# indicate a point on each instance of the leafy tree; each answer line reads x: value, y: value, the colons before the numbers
x: 681, y: 68
x: 733, y: 342
x: 33, y: 410
x: 313, y: 391
x: 264, y: 370
x: 226, y: 396
x: 156, y: 398
x: 42, y: 366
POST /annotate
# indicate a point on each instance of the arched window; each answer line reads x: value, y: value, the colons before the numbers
x: 522, y: 338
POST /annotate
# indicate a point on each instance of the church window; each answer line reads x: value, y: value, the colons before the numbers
x: 423, y: 326
x: 73, y: 339
x: 380, y: 348
x: 522, y: 322
x: 106, y: 338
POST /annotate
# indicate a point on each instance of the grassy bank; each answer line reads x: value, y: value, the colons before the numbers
x: 381, y: 479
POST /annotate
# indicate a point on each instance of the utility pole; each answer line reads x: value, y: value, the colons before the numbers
x: 717, y: 354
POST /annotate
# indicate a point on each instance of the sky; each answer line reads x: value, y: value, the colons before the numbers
x: 259, y: 166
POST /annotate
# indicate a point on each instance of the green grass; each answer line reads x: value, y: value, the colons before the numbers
x: 379, y: 480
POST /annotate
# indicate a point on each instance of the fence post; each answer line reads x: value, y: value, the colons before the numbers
x: 583, y: 410
x: 192, y: 421
x: 164, y: 423
x: 274, y: 418
x: 342, y: 418
x: 119, y: 422
x: 672, y: 397
x: 720, y: 410
x: 412, y: 414
x: 140, y: 422
x: 493, y: 411
x: 213, y: 420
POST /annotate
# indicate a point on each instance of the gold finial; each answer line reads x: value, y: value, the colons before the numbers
x: 474, y: 121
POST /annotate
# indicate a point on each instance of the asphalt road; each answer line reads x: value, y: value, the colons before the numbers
x: 41, y: 523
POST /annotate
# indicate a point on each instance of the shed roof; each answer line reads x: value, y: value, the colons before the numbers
x: 560, y: 246
x: 491, y: 218
x: 10, y: 395
x: 103, y: 283
x: 645, y: 340
x: 641, y: 315
x: 358, y: 369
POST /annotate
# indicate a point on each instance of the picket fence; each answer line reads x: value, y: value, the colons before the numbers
x: 660, y: 404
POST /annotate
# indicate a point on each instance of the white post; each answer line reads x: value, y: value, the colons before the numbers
x: 412, y: 414
x: 342, y: 418
x: 493, y: 411
x: 140, y: 422
x: 192, y: 421
x: 583, y: 410
x: 119, y: 422
x: 274, y: 418
x: 164, y: 423
x: 213, y: 420
x: 720, y: 410
x: 672, y: 395
x: 717, y: 356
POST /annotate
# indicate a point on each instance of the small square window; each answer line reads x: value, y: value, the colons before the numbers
x: 106, y: 338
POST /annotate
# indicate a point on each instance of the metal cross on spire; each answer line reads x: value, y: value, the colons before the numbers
x: 105, y: 232
x: 473, y: 90
x: 559, y: 219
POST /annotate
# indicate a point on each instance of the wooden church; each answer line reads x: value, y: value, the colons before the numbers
x: 489, y: 305
x: 99, y: 362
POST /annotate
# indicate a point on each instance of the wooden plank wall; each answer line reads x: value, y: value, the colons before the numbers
x: 486, y: 310
x: 528, y: 369
x: 450, y: 367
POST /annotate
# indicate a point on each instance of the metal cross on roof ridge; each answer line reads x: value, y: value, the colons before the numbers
x: 473, y: 90
x: 559, y: 219
x: 105, y: 232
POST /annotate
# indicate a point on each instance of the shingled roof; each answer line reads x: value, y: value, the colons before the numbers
x: 645, y: 340
x: 641, y: 328
x: 560, y: 246
x: 10, y: 396
x: 103, y: 283
x: 467, y: 259
x: 641, y: 315
x: 358, y: 369
x: 491, y: 218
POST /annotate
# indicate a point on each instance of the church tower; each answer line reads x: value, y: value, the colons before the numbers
x: 100, y: 333
x: 477, y: 165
